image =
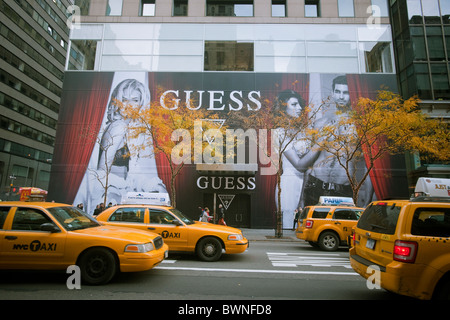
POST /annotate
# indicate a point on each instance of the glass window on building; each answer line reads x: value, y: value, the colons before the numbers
x: 180, y: 8
x: 435, y: 43
x: 312, y: 8
x: 279, y: 8
x: 84, y: 6
x: 228, y: 56
x: 440, y: 81
x: 114, y: 8
x: 418, y: 41
x: 147, y: 8
x: 82, y: 55
x: 423, y: 80
x: 229, y: 8
x: 447, y: 40
x: 346, y: 8
x: 380, y: 8
x: 377, y: 57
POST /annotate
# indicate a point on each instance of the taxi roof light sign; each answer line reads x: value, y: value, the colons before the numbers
x: 159, y: 199
x: 336, y: 201
x: 432, y: 187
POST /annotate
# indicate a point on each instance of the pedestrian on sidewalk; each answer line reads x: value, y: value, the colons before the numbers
x: 205, y: 215
x: 222, y: 215
x: 297, y: 213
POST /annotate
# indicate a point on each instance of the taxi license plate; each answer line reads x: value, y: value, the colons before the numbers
x: 370, y: 244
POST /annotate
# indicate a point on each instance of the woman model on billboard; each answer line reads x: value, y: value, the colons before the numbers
x: 126, y: 164
x: 296, y: 158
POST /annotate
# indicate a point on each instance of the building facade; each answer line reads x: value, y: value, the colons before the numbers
x: 421, y: 34
x: 34, y: 39
x: 228, y: 55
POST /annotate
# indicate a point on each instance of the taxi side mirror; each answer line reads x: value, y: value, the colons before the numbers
x: 49, y: 227
x: 176, y: 222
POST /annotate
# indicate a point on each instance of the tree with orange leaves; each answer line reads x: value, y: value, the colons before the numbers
x: 176, y: 132
x: 375, y: 128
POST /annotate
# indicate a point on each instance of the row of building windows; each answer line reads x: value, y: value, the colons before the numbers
x: 32, y: 32
x: 29, y: 71
x: 26, y: 131
x: 45, y: 25
x: 238, y: 8
x: 21, y: 150
x: 23, y: 46
x: 356, y: 57
x: 22, y: 108
x: 28, y: 91
x: 422, y: 45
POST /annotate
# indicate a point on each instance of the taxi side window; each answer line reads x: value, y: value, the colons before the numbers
x: 128, y: 215
x: 433, y: 222
x: 29, y: 219
x: 345, y: 214
x: 303, y: 214
x: 3, y: 213
x: 320, y: 213
x: 160, y: 217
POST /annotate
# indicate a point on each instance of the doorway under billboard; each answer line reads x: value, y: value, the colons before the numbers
x: 237, y: 208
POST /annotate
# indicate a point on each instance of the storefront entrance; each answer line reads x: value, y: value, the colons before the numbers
x: 237, y: 208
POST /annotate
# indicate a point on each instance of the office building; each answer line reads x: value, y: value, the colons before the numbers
x: 34, y: 41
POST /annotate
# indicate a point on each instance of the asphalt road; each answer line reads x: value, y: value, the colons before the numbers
x: 268, y: 270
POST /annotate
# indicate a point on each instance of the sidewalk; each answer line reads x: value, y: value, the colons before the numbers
x: 268, y: 235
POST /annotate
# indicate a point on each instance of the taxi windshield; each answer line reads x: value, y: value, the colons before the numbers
x: 181, y: 216
x: 72, y: 218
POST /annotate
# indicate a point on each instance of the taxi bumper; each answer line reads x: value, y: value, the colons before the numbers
x: 236, y: 246
x: 134, y: 262
x: 304, y: 234
x: 401, y: 278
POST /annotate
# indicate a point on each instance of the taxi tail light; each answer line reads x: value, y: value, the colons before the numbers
x: 405, y: 251
x: 309, y: 223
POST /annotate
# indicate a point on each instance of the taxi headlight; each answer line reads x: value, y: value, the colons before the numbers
x: 146, y: 247
x: 235, y: 237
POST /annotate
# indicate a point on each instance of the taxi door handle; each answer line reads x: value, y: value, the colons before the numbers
x: 337, y: 222
x: 151, y: 228
x: 10, y: 237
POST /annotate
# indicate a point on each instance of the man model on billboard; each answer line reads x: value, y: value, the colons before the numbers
x: 327, y: 177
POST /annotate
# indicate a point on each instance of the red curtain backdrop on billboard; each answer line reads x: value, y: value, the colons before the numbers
x: 83, y: 105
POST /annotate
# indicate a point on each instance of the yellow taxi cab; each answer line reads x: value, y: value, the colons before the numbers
x: 408, y: 243
x: 54, y: 236
x: 153, y: 212
x: 329, y: 223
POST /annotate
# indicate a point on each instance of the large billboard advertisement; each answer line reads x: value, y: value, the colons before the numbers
x: 92, y: 136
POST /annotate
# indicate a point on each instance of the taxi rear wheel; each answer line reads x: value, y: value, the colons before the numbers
x: 98, y: 266
x: 209, y: 249
x: 329, y: 241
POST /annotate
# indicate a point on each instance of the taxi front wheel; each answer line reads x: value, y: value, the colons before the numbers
x: 98, y: 266
x: 209, y: 249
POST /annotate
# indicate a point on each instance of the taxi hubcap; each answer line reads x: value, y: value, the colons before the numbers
x: 329, y: 241
x: 209, y: 249
x: 97, y: 266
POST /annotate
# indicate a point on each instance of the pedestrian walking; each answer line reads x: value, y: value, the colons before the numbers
x: 297, y: 213
x: 205, y: 215
x: 222, y: 215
